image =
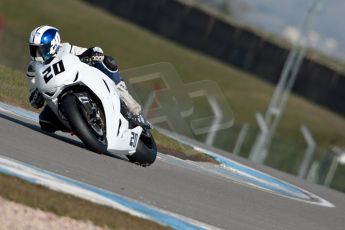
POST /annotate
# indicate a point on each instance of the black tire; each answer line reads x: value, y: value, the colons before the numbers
x: 71, y: 108
x: 146, y: 152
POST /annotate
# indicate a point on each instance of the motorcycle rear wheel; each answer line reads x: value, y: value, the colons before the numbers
x: 146, y: 152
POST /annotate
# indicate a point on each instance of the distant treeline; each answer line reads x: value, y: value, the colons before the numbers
x: 235, y: 45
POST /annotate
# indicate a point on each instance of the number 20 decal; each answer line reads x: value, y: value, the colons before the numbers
x: 57, y: 68
x: 134, y: 139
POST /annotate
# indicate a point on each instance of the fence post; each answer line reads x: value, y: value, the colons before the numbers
x: 259, y: 152
x: 240, y: 139
x: 309, y: 153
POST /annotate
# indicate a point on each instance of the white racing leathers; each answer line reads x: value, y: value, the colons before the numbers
x: 133, y: 106
x: 66, y: 70
x: 65, y: 48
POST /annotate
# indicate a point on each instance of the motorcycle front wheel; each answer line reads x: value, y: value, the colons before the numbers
x: 90, y: 134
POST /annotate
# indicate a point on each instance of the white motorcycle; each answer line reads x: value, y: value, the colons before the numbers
x: 86, y: 102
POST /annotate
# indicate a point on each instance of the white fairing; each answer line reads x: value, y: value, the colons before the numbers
x: 66, y: 70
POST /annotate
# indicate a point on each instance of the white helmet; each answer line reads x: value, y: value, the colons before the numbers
x: 44, y: 42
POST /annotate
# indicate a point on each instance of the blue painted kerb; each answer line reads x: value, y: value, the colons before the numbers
x: 151, y: 212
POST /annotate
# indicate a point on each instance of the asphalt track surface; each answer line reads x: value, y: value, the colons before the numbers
x: 184, y: 190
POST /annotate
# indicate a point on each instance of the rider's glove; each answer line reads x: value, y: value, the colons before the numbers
x: 36, y: 99
x: 97, y: 54
x: 93, y: 54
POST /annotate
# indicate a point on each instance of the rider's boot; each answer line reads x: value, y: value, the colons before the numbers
x: 49, y: 122
x: 141, y: 121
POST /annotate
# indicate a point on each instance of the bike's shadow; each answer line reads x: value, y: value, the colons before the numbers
x: 55, y: 135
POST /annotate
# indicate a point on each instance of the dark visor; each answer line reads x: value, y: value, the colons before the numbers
x: 40, y: 51
x: 33, y: 50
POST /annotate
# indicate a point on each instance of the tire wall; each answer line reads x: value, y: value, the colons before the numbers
x: 237, y: 46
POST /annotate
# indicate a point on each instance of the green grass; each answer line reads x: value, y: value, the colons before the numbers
x: 13, y: 87
x: 61, y: 204
x: 133, y: 46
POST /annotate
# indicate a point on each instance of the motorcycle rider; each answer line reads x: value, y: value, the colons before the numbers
x: 45, y: 44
